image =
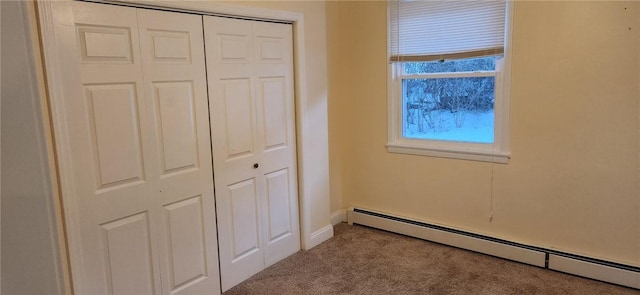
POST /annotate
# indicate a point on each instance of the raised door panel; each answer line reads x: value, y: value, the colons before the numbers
x: 231, y: 41
x: 279, y: 210
x: 176, y: 126
x: 170, y: 46
x: 272, y: 93
x: 244, y: 216
x: 126, y: 246
x: 107, y: 44
x: 238, y: 117
x: 186, y: 243
x: 233, y: 48
x: 271, y: 49
x: 241, y: 243
x: 115, y: 133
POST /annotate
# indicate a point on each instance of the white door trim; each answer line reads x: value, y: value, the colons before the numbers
x: 305, y: 172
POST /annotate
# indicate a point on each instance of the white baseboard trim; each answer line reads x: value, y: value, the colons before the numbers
x: 453, y: 239
x: 320, y: 236
x: 595, y: 271
x: 339, y: 216
x: 610, y: 272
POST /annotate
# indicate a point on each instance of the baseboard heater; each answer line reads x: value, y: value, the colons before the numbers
x: 611, y: 272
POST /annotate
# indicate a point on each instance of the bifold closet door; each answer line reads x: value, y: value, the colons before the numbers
x: 250, y: 77
x: 175, y: 86
x: 134, y: 147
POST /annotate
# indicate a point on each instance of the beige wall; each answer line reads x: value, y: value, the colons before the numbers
x: 573, y: 180
x: 31, y: 262
x: 337, y: 106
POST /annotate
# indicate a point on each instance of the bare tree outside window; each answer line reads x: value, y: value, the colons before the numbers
x: 454, y: 109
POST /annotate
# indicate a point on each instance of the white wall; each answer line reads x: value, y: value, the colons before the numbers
x: 29, y: 242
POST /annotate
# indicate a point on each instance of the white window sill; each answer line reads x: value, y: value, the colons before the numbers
x: 495, y: 157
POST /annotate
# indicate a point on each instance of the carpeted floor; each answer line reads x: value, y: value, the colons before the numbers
x: 362, y: 260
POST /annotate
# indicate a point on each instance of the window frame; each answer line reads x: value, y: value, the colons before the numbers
x: 497, y: 152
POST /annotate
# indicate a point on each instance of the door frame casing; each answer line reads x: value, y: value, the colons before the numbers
x: 307, y: 172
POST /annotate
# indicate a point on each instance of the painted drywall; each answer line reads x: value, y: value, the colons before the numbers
x: 30, y: 253
x: 316, y: 65
x: 572, y: 183
x: 0, y: 159
x: 335, y: 82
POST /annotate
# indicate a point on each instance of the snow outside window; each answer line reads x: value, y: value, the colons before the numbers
x: 448, y: 90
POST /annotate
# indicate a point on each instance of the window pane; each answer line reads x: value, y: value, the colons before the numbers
x: 457, y: 65
x: 453, y: 109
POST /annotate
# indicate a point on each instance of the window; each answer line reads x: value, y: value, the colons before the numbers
x: 449, y: 70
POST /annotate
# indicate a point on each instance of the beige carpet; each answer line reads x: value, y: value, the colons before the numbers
x: 361, y: 260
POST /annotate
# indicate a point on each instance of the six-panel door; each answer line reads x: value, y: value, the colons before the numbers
x: 250, y: 76
x: 141, y: 214
x: 134, y: 116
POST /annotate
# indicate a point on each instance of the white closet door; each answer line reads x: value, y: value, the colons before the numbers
x: 234, y: 143
x: 110, y: 228
x: 249, y: 66
x: 172, y: 50
x: 137, y: 175
x: 273, y: 47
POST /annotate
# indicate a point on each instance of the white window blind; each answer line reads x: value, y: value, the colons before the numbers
x: 440, y: 29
